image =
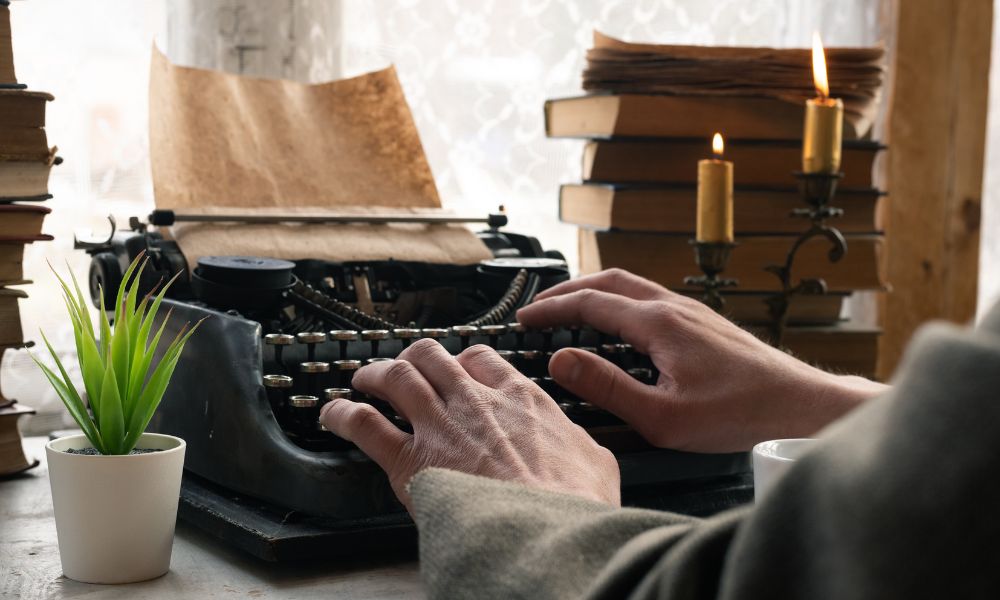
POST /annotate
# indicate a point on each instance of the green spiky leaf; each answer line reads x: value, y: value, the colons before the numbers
x: 122, y: 381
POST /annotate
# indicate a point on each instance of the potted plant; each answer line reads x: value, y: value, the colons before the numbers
x: 115, y: 488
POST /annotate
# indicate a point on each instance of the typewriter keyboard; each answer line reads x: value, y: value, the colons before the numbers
x: 305, y: 370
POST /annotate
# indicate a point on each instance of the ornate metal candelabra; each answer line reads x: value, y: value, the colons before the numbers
x: 712, y: 258
x: 817, y: 190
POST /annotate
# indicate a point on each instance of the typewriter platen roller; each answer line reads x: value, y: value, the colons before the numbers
x: 285, y: 337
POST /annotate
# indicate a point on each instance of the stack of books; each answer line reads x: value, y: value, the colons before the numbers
x: 650, y: 116
x: 25, y: 162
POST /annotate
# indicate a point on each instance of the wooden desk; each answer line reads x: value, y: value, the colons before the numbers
x: 201, y: 567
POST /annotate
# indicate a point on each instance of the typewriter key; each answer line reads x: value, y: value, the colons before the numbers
x: 529, y: 360
x: 304, y: 408
x: 507, y: 355
x: 406, y: 335
x: 574, y: 332
x: 436, y: 333
x: 279, y: 341
x: 303, y: 401
x: 547, y: 338
x: 343, y: 336
x: 614, y: 353
x: 374, y: 336
x: 334, y: 393
x: 311, y: 338
x: 312, y: 369
x: 493, y: 332
x: 275, y: 385
x: 590, y: 349
x: 370, y: 361
x: 465, y: 333
x: 642, y: 374
x: 346, y: 369
x: 518, y: 330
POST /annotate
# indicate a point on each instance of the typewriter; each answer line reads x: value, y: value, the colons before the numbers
x: 284, y: 337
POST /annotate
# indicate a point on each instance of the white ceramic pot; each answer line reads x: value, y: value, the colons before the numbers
x: 115, y: 515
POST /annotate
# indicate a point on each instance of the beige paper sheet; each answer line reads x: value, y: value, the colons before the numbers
x: 442, y: 244
x: 226, y: 144
x: 225, y: 140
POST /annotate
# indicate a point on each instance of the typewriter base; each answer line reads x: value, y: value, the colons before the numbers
x: 274, y: 534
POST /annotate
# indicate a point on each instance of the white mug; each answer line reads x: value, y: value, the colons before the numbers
x: 772, y: 458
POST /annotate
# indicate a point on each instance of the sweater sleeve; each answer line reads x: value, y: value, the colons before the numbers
x: 897, y: 499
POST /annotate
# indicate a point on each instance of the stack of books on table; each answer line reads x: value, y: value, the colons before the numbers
x: 649, y: 117
x: 25, y: 162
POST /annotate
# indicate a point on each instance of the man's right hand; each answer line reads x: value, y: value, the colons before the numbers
x: 720, y: 389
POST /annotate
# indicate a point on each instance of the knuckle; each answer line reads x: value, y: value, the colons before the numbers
x: 661, y: 314
x: 399, y: 373
x: 361, y: 419
x: 476, y: 353
x: 421, y: 348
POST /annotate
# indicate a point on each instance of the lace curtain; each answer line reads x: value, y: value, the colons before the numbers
x: 475, y: 75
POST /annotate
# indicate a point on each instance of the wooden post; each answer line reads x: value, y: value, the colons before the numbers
x: 936, y: 137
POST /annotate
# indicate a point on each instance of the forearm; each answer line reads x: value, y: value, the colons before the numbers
x: 481, y: 538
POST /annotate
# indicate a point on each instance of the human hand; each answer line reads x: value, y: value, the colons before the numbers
x: 473, y: 413
x: 720, y: 388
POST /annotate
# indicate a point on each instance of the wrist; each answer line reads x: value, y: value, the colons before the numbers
x: 840, y: 394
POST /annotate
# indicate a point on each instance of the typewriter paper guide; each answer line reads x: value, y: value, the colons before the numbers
x: 443, y: 244
x: 222, y: 143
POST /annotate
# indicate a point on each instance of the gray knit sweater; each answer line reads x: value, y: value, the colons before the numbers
x: 898, y: 500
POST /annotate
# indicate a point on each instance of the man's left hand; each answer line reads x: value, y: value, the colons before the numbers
x: 473, y: 413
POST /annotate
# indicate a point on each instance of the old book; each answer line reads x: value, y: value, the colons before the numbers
x: 784, y: 74
x: 758, y: 163
x: 26, y: 179
x: 24, y: 143
x: 672, y: 208
x: 21, y: 220
x: 751, y: 308
x: 12, y: 254
x: 10, y: 316
x: 668, y: 259
x: 22, y: 108
x: 12, y: 458
x: 6, y: 50
x: 645, y: 115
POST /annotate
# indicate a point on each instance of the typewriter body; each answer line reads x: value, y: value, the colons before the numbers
x: 280, y: 338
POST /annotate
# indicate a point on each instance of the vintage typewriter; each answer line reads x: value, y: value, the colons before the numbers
x: 284, y: 337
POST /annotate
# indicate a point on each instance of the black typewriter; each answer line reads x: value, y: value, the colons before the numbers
x: 283, y: 337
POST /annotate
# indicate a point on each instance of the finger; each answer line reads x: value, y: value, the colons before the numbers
x: 438, y: 367
x: 594, y: 379
x: 613, y: 281
x: 362, y: 424
x: 400, y: 384
x: 485, y: 366
x: 610, y: 313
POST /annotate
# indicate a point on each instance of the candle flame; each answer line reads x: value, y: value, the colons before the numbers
x: 717, y: 145
x: 819, y: 67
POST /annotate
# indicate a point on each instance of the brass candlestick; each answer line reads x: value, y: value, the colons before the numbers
x: 712, y: 258
x: 817, y: 190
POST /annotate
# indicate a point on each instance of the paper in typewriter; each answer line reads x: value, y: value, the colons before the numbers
x: 223, y: 143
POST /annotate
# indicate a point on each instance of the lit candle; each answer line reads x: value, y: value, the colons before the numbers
x: 824, y: 121
x: 715, y: 197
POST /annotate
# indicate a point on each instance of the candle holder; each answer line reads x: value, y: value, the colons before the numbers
x: 712, y: 258
x: 817, y: 190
